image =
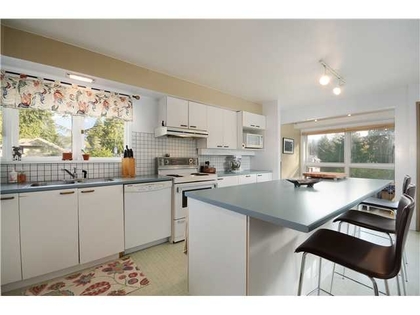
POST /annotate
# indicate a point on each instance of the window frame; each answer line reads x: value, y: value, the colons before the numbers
x: 347, y: 165
x: 11, y: 137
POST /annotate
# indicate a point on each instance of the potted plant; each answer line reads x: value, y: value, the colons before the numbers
x: 85, y: 155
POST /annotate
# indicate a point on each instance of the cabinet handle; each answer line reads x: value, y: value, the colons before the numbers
x: 184, y: 126
x: 7, y: 198
x: 66, y: 192
x: 180, y: 221
x: 259, y: 175
x: 193, y: 126
x: 220, y: 179
x: 87, y: 191
x: 226, y: 146
x: 257, y: 126
x: 220, y: 146
x: 252, y: 125
x: 247, y: 175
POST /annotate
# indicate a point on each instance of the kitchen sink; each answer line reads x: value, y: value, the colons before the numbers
x: 38, y: 184
x: 70, y: 182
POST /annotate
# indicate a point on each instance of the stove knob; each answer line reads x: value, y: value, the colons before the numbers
x: 191, y: 161
x: 166, y: 162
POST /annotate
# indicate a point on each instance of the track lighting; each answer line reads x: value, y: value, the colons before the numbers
x: 79, y: 77
x: 325, y: 79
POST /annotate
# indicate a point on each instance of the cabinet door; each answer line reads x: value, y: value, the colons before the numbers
x: 215, y: 127
x: 253, y: 121
x: 247, y: 179
x: 197, y: 118
x: 227, y: 181
x: 10, y: 239
x: 230, y: 129
x: 49, y: 231
x: 101, y: 222
x: 264, y: 177
x: 177, y: 112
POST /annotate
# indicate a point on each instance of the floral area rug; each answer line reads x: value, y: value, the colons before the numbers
x: 116, y: 278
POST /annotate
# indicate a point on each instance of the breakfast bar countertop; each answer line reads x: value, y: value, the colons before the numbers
x: 302, y: 208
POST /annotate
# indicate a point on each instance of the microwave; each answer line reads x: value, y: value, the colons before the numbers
x: 253, y: 141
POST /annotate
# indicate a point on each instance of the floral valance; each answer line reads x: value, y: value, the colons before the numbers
x: 24, y: 92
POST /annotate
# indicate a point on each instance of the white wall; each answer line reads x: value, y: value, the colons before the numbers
x: 269, y: 158
x: 145, y: 114
x: 402, y: 100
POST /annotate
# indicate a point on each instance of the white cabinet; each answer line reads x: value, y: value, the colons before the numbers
x: 197, y: 116
x: 173, y: 112
x: 49, y: 231
x: 227, y: 181
x: 222, y: 129
x: 264, y: 177
x: 253, y: 121
x: 101, y: 222
x: 247, y: 179
x: 179, y: 113
x: 10, y: 239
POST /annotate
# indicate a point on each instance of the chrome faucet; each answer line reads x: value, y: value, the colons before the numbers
x: 73, y: 175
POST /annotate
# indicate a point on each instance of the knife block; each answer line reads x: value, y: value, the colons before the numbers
x: 128, y: 167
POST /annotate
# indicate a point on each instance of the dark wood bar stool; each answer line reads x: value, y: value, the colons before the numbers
x: 372, y: 260
x: 376, y: 223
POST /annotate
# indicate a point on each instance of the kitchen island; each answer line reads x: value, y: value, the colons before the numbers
x: 242, y: 238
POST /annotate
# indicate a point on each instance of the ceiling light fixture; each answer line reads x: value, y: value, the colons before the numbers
x: 325, y: 79
x: 80, y: 78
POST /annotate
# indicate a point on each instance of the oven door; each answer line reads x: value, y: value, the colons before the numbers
x: 181, y: 200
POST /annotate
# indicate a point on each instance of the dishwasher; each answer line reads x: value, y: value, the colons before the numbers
x: 147, y: 214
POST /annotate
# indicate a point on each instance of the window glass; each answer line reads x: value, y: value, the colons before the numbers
x: 373, y: 146
x: 371, y: 173
x: 325, y: 169
x: 326, y: 148
x: 44, y: 133
x: 103, y: 137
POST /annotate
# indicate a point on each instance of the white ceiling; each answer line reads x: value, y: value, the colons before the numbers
x: 258, y: 60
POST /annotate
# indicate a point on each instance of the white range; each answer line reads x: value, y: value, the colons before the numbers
x: 186, y: 177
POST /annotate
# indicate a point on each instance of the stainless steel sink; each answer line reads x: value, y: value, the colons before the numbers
x: 38, y: 184
x: 70, y: 182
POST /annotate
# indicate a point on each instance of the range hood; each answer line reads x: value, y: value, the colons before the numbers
x: 180, y: 132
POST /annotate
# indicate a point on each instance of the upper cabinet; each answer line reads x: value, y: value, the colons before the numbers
x: 222, y: 128
x: 252, y: 121
x: 179, y: 113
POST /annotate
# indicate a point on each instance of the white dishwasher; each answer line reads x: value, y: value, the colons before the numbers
x: 147, y: 219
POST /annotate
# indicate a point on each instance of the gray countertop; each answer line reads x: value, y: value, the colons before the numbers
x: 302, y: 208
x: 90, y: 182
x: 224, y: 174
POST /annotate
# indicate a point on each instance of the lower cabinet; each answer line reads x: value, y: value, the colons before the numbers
x: 227, y: 181
x: 101, y: 222
x: 264, y: 177
x: 10, y: 239
x: 247, y: 179
x: 49, y: 231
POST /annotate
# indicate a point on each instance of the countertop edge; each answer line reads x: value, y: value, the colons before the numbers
x: 226, y: 174
x: 119, y: 181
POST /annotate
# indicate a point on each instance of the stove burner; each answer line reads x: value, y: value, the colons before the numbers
x: 199, y: 174
x: 174, y: 175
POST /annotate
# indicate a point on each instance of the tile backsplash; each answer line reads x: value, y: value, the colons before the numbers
x: 145, y: 148
x: 40, y: 172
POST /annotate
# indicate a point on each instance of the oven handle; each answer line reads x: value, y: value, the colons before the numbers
x: 180, y: 189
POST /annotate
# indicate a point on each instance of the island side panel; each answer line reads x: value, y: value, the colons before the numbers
x: 273, y: 265
x: 217, y: 250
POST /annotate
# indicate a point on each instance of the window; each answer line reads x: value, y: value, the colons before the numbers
x: 43, y: 133
x: 46, y: 135
x: 361, y: 153
x: 103, y: 137
x: 326, y: 148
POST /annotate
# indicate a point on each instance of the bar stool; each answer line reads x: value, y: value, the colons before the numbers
x: 376, y: 223
x: 372, y: 260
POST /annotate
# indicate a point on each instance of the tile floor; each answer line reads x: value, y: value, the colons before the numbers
x: 166, y: 267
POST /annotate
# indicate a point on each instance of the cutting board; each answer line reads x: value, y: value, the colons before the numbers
x: 329, y: 175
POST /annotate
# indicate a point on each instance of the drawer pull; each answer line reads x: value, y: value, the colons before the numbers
x: 252, y: 125
x: 180, y: 221
x: 66, y: 192
x: 184, y: 126
x: 247, y: 175
x: 226, y: 146
x: 193, y: 126
x: 220, y: 146
x: 7, y: 198
x: 257, y: 126
x: 259, y: 175
x: 87, y: 191
x: 220, y: 179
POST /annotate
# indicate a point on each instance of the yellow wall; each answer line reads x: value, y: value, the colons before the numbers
x: 35, y: 48
x: 290, y: 163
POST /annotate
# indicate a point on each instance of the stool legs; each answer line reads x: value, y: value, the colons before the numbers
x: 375, y: 286
x: 319, y: 276
x: 302, y: 268
x: 387, y: 287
